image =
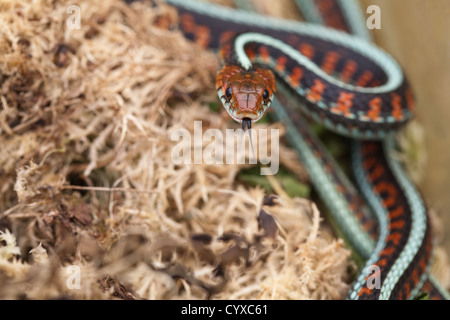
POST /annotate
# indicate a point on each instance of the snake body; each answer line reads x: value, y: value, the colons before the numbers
x: 351, y: 87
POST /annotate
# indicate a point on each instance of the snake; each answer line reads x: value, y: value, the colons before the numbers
x: 328, y: 71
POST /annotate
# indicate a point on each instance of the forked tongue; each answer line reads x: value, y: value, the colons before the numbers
x: 247, y: 124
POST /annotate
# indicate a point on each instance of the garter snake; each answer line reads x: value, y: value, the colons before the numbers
x: 351, y: 87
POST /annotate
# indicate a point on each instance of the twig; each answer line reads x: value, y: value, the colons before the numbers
x: 106, y: 189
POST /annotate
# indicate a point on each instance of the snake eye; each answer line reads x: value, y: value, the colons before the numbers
x: 228, y: 93
x: 265, y: 94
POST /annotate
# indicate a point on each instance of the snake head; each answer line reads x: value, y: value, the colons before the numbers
x: 245, y: 94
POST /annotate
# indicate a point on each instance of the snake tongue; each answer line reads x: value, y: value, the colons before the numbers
x: 246, y: 122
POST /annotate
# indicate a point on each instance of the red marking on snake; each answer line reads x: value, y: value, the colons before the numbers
x: 250, y: 53
x: 375, y: 109
x: 394, y: 237
x: 364, y: 79
x: 344, y: 103
x: 225, y: 50
x: 369, y: 163
x: 396, y: 225
x: 264, y: 53
x: 306, y: 49
x: 316, y: 91
x: 396, y: 103
x: 375, y: 83
x: 202, y: 33
x: 377, y: 172
x: 368, y: 225
x: 329, y: 62
x: 382, y: 262
x: 415, y: 276
x: 369, y: 148
x: 187, y: 23
x: 396, y: 213
x: 292, y: 41
x: 422, y: 264
x: 226, y: 36
x: 364, y: 290
x: 339, y: 187
x: 324, y: 5
x: 388, y: 251
x: 331, y: 16
x: 281, y: 63
x: 202, y: 36
x: 408, y: 289
x: 392, y: 198
x: 409, y: 99
x: 295, y: 77
x: 348, y: 70
x: 355, y: 206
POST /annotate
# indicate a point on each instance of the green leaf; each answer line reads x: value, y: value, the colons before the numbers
x: 214, y: 106
x: 292, y: 186
x: 256, y: 180
x: 422, y: 296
